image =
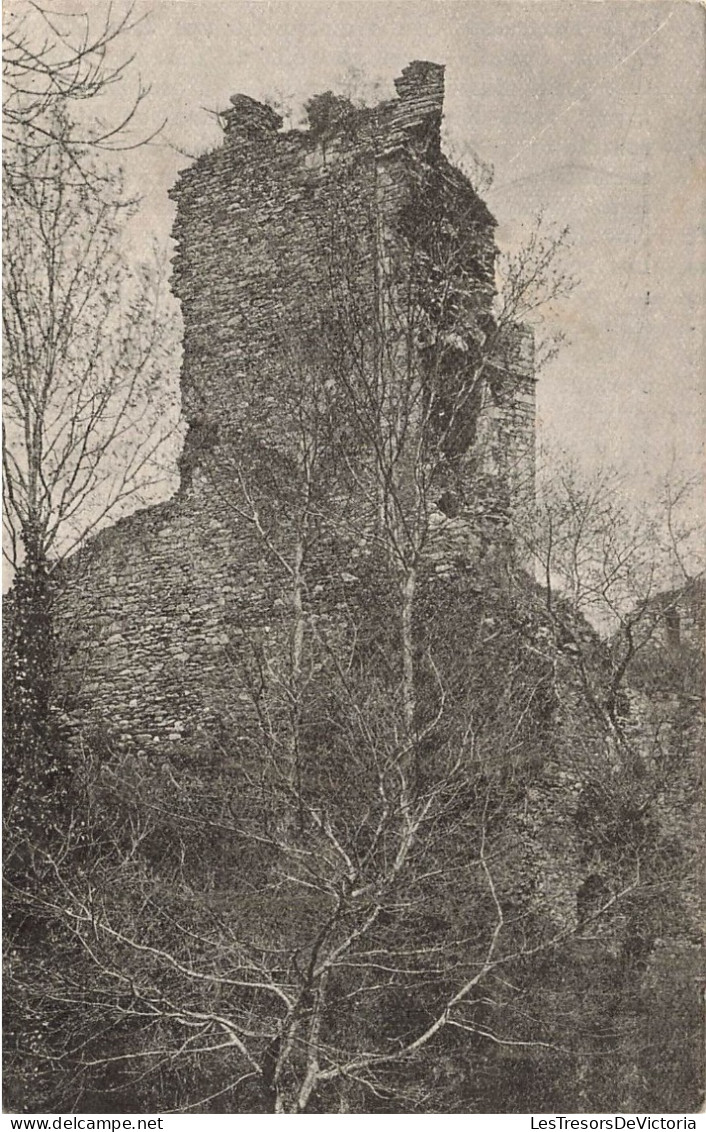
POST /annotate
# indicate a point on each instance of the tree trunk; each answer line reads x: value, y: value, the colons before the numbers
x: 409, y: 691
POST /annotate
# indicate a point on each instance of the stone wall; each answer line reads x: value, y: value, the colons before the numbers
x: 159, y: 617
x: 156, y: 614
x: 271, y: 226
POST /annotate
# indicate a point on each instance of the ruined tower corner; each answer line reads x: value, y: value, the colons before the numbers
x: 421, y: 79
x: 419, y: 107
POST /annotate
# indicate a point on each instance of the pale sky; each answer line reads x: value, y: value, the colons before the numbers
x: 592, y: 111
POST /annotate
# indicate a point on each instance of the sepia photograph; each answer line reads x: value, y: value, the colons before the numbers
x: 354, y: 543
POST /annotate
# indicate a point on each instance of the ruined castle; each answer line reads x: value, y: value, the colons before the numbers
x: 337, y: 292
x: 301, y: 255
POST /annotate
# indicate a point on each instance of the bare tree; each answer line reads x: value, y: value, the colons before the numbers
x: 86, y: 338
x: 88, y: 353
x: 611, y: 560
x: 533, y: 280
x: 53, y: 59
x: 298, y: 940
x: 421, y: 344
x: 89, y: 425
x: 603, y: 551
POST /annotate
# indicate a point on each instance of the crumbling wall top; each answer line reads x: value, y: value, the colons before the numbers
x: 421, y: 79
x: 249, y: 117
x: 420, y: 98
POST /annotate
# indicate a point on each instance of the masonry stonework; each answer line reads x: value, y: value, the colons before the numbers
x: 272, y: 228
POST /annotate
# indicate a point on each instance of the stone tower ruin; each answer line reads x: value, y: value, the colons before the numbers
x: 301, y: 254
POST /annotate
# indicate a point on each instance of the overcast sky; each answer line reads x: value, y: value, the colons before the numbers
x: 592, y: 111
